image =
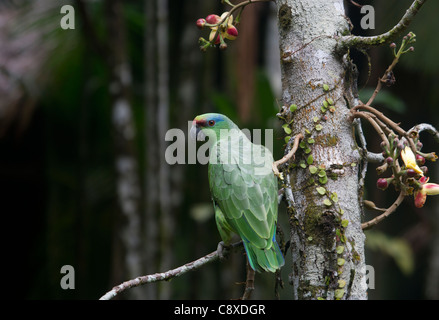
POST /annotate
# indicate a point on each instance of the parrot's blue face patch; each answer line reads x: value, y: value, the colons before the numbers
x: 213, y: 121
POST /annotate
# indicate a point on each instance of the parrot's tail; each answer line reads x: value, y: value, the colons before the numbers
x: 269, y: 259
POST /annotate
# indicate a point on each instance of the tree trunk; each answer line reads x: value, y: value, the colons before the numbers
x: 128, y: 185
x: 327, y: 242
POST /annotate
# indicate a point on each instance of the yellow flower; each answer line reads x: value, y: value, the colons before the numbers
x: 427, y: 189
x: 409, y: 159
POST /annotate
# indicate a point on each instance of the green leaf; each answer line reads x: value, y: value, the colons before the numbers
x: 322, y: 173
x: 311, y: 141
x: 293, y: 107
x: 341, y: 261
x: 338, y: 293
x: 334, y: 197
x: 316, y: 119
x: 341, y: 283
x: 319, y: 127
x: 340, y: 249
x: 321, y: 190
x: 310, y: 159
x: 327, y: 202
x: 325, y: 87
x: 287, y: 139
x: 323, y: 180
x: 286, y: 129
x: 313, y: 169
x: 344, y: 223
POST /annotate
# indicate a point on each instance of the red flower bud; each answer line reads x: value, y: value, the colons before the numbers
x: 382, y: 183
x: 232, y: 33
x: 213, y: 19
x: 420, y: 160
x: 411, y: 173
x: 201, y: 23
x: 389, y: 160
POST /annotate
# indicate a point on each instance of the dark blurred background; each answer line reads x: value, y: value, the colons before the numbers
x: 83, y: 117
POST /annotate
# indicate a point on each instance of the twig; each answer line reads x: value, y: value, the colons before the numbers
x: 375, y: 157
x: 249, y: 283
x: 388, y: 212
x: 288, y: 156
x: 165, y: 275
x: 370, y: 117
x: 382, y: 117
x: 425, y: 127
x: 358, y: 41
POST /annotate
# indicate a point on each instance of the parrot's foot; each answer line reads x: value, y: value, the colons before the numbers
x: 222, y: 250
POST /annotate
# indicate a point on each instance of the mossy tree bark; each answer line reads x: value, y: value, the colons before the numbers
x: 327, y: 242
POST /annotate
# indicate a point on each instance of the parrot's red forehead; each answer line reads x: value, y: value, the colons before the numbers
x: 199, y: 121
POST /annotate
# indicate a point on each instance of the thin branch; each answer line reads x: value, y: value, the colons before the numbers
x: 388, y: 212
x: 213, y: 256
x: 382, y: 117
x: 425, y: 127
x: 399, y: 28
x: 288, y: 156
x: 370, y: 117
x: 375, y: 157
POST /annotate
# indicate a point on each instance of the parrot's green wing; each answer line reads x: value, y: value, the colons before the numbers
x: 245, y: 192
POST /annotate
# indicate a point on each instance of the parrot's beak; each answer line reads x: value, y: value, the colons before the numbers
x: 196, y: 133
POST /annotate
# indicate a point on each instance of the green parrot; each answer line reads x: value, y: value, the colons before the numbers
x: 244, y: 189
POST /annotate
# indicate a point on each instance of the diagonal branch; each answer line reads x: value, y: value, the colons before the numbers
x: 399, y: 28
x: 287, y: 157
x: 213, y: 256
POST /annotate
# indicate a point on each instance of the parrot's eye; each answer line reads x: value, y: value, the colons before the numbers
x: 211, y: 123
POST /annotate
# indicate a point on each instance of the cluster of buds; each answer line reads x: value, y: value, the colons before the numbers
x: 221, y: 28
x: 406, y: 41
x: 411, y: 176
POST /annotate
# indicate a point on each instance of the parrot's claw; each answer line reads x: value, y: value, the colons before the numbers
x: 222, y: 250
